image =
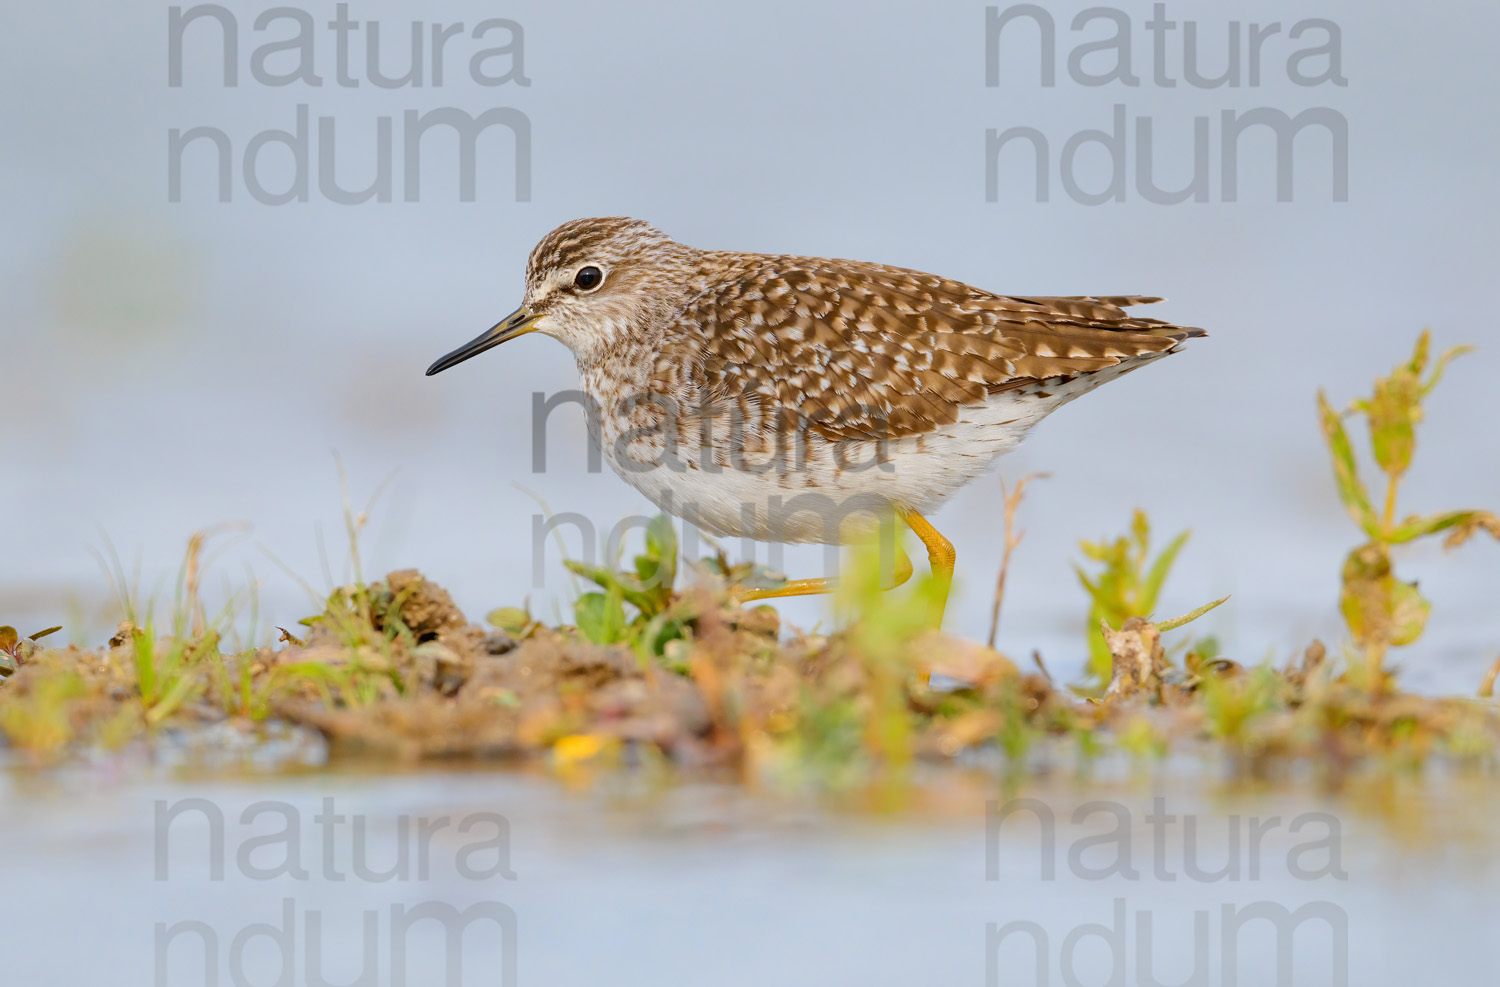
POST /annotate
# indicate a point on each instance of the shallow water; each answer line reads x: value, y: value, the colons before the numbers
x: 170, y: 366
x: 705, y: 883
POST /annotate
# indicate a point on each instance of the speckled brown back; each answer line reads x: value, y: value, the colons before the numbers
x: 854, y: 350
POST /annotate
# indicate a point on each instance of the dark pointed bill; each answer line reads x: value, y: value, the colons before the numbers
x: 517, y: 323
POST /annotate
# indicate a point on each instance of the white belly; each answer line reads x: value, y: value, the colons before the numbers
x: 812, y: 490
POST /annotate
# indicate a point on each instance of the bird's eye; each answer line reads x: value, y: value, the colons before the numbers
x: 588, y: 278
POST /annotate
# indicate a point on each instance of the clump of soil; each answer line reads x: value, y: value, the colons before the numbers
x: 394, y: 670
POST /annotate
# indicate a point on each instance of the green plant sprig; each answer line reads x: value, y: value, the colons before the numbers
x: 1380, y: 610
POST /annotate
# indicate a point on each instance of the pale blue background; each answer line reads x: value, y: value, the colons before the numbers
x: 168, y: 367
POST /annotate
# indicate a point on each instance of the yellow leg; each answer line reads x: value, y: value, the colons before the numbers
x: 792, y: 587
x: 940, y: 553
x: 823, y: 584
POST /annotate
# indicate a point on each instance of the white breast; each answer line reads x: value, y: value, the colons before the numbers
x: 739, y: 484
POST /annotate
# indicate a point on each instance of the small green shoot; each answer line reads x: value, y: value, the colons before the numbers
x: 882, y: 624
x: 1380, y: 610
x: 1127, y: 585
x: 655, y: 617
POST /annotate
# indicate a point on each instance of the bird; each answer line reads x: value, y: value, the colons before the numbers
x: 807, y: 399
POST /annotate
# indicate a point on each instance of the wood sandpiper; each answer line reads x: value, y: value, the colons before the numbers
x: 799, y: 399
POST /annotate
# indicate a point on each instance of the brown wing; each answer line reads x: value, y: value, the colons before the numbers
x: 861, y: 349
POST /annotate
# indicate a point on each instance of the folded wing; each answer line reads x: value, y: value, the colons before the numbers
x: 853, y: 349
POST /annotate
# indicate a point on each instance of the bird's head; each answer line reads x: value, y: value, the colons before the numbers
x: 589, y: 283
